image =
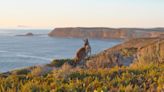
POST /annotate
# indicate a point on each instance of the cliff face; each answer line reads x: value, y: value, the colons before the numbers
x: 152, y: 52
x: 141, y: 50
x: 106, y: 33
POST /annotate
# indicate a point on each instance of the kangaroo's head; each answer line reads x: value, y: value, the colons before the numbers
x: 86, y: 42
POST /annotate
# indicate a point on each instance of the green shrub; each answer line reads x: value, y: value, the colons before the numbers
x: 59, y: 63
x: 21, y: 72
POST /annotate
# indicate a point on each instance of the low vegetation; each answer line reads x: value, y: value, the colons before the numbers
x: 74, y: 79
x: 59, y: 63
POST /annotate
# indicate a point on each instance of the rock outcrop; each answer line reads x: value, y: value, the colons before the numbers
x: 106, y: 33
x: 27, y: 34
x: 144, y: 50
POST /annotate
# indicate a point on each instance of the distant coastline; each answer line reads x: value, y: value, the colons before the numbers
x: 107, y: 33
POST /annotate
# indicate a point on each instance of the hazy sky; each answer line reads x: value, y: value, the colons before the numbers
x: 84, y: 13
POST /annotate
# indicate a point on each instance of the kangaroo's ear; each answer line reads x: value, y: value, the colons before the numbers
x: 84, y: 40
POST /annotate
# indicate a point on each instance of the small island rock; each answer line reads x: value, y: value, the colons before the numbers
x: 29, y: 34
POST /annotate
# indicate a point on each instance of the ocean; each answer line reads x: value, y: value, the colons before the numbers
x: 23, y: 51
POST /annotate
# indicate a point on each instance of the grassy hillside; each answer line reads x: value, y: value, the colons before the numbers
x: 68, y: 79
x: 100, y: 73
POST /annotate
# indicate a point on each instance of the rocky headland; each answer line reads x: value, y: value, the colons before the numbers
x: 107, y: 33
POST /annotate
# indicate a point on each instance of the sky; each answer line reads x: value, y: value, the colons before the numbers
x: 81, y: 13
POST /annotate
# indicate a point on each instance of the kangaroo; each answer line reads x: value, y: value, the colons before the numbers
x: 88, y: 47
x: 82, y: 53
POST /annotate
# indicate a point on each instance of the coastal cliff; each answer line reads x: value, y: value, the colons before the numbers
x: 106, y: 33
x: 135, y: 51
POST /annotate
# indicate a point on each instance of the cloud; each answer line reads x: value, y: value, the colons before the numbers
x: 23, y: 26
